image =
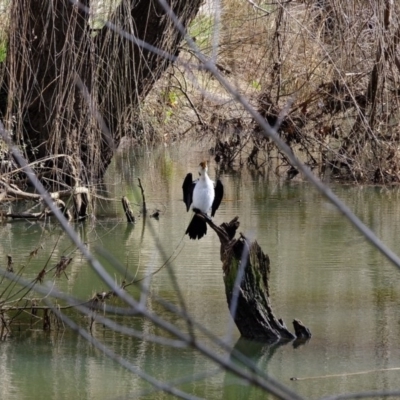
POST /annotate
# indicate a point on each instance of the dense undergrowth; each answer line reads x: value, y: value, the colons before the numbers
x: 329, y: 69
x: 326, y: 71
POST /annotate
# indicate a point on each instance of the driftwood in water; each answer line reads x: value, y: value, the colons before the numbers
x: 11, y: 191
x: 80, y: 196
x: 249, y: 303
x: 81, y: 203
x: 46, y: 212
x: 128, y: 210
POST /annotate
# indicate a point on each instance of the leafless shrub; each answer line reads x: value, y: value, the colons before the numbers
x: 336, y: 63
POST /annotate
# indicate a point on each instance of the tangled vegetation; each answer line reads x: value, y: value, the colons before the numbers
x: 328, y: 71
x: 72, y: 82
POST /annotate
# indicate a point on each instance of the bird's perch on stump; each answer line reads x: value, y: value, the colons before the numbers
x: 253, y: 315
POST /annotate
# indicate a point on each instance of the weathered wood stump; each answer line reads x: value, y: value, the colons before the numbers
x: 248, y: 296
x: 128, y: 210
x: 81, y: 203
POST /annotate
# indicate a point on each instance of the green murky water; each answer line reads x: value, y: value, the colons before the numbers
x: 323, y: 272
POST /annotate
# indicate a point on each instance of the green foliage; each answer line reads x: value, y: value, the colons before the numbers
x: 168, y: 115
x: 201, y: 29
x: 255, y: 84
x: 170, y: 97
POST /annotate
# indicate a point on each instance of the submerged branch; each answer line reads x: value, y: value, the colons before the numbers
x: 80, y: 196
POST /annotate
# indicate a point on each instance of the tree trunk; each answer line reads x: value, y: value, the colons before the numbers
x: 72, y: 90
x: 248, y: 296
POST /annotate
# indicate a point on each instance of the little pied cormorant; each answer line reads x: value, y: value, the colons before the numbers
x: 201, y: 195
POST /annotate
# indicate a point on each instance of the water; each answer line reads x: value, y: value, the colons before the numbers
x: 323, y: 272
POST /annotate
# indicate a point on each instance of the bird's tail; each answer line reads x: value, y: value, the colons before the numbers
x: 197, y: 227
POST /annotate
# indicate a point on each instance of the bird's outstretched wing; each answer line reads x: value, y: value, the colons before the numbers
x: 219, y: 193
x: 187, y: 188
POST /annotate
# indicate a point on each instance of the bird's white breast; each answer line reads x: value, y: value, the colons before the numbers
x: 203, y: 194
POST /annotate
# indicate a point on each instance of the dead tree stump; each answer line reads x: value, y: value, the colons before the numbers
x: 128, y: 210
x: 81, y: 203
x: 248, y: 297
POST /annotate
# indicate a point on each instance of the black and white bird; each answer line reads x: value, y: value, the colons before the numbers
x: 201, y: 196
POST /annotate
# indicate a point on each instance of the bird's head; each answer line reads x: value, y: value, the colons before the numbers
x: 203, y: 167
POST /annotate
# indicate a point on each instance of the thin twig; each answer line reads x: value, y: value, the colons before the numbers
x: 144, y: 208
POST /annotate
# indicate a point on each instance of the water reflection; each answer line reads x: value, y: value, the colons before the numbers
x: 323, y: 272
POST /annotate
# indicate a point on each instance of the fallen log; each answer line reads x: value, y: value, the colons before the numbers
x: 80, y: 196
x: 246, y: 272
x: 14, y: 192
x: 46, y: 212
